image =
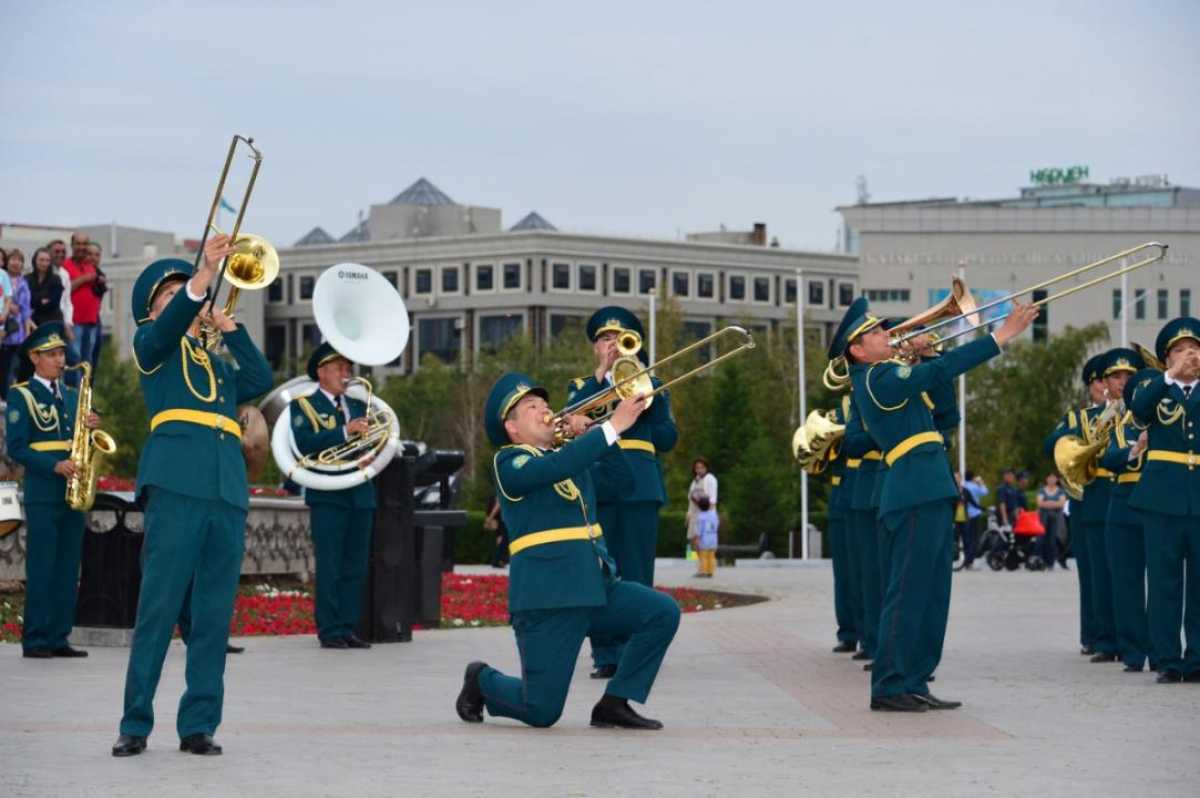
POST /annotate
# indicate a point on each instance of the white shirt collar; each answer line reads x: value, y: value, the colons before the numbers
x: 1180, y: 383
x: 332, y: 399
x: 45, y: 383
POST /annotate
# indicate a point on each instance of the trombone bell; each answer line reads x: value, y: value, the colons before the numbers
x: 254, y: 264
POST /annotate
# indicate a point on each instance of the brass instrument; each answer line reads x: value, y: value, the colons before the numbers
x: 86, y: 447
x: 833, y: 379
x: 958, y: 304
x: 631, y: 379
x: 813, y: 441
x: 349, y: 453
x: 1151, y: 360
x: 1078, y: 457
x: 973, y: 313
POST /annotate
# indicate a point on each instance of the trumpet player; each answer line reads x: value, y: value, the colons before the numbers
x: 41, y: 420
x: 192, y: 479
x: 341, y: 520
x: 847, y: 570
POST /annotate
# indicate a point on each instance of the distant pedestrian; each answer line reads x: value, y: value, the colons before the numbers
x: 704, y: 483
x: 1052, y: 500
x: 493, y: 522
x: 973, y: 491
x: 707, y: 524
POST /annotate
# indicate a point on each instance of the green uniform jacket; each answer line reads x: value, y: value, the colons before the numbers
x: 838, y: 473
x: 317, y: 425
x: 944, y: 398
x: 552, y: 490
x: 1116, y: 460
x: 35, y: 420
x: 1067, y: 425
x: 1167, y: 488
x: 1095, y: 493
x: 859, y: 445
x: 176, y: 373
x: 630, y: 474
x: 888, y: 395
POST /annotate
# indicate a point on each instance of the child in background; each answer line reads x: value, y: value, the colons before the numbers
x: 707, y: 524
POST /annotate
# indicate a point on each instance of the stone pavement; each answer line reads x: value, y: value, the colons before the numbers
x: 753, y: 701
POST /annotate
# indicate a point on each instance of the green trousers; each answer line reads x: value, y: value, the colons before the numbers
x: 53, y: 548
x: 1083, y: 571
x: 916, y: 550
x: 872, y: 576
x: 631, y: 536
x: 1127, y: 562
x: 196, y: 542
x: 342, y: 547
x: 1104, y: 631
x: 549, y: 641
x: 1173, y: 547
x: 846, y: 591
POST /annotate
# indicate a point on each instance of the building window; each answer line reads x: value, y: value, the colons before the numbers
x: 424, y: 281
x: 845, y: 294
x: 694, y: 331
x: 1041, y: 324
x: 276, y: 345
x: 706, y: 285
x: 620, y: 280
x: 275, y: 292
x: 1139, y: 304
x: 762, y: 289
x: 450, y: 280
x: 816, y: 292
x: 495, y: 330
x: 485, y: 278
x: 440, y: 337
x: 789, y: 292
x: 587, y: 278
x: 647, y: 281
x: 1185, y: 301
x: 888, y: 294
x: 681, y: 284
x: 1116, y: 303
x: 393, y: 278
x: 306, y: 286
x: 737, y: 288
x: 512, y: 276
x: 570, y: 326
x: 310, y: 339
x: 560, y: 276
x: 1162, y: 303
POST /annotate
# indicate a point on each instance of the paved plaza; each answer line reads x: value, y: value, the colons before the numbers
x: 753, y: 701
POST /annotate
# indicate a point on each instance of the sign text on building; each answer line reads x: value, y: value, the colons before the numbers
x: 1058, y: 177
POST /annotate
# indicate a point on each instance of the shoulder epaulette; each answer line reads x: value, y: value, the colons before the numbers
x: 578, y: 382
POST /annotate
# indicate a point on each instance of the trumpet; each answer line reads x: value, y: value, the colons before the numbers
x: 1077, y: 457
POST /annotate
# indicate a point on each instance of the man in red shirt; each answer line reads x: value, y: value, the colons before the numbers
x: 85, y: 278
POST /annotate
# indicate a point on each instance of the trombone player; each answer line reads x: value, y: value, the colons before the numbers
x: 341, y: 520
x: 192, y: 480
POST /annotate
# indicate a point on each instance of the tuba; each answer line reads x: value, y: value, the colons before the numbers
x: 813, y: 441
x: 1077, y: 457
x: 363, y: 317
x: 86, y: 447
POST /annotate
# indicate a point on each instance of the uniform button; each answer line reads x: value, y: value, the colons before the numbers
x: 220, y: 382
x: 221, y: 436
x: 221, y: 398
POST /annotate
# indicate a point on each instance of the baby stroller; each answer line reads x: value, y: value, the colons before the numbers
x: 1008, y: 547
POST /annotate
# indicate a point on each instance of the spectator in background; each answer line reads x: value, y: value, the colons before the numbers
x: 5, y: 287
x: 85, y: 301
x: 1051, y: 500
x: 18, y: 322
x: 101, y: 288
x: 707, y: 525
x: 1009, y: 499
x: 45, y: 289
x: 58, y: 255
x: 973, y: 491
x: 704, y: 483
x: 494, y: 523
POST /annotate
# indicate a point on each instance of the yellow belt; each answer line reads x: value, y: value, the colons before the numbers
x: 553, y: 536
x: 1189, y: 459
x: 874, y: 454
x: 853, y: 462
x: 201, y: 417
x: 51, y: 446
x: 633, y: 443
x: 1132, y: 476
x: 1104, y: 473
x: 911, y: 442
x: 835, y: 481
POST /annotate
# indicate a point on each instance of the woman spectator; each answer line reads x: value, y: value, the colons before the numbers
x: 45, y: 289
x: 703, y: 484
x: 19, y: 321
x: 1051, y: 499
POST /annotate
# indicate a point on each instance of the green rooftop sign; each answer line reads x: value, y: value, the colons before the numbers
x: 1055, y: 176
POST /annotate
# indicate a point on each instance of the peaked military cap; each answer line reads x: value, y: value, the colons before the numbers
x: 856, y: 322
x: 152, y: 278
x: 1122, y: 359
x: 320, y: 356
x: 1175, y: 331
x: 613, y: 319
x: 1092, y: 369
x: 45, y: 338
x: 505, y: 394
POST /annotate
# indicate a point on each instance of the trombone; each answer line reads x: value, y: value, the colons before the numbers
x: 354, y: 450
x: 973, y: 311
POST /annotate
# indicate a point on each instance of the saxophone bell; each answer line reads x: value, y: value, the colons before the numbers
x: 87, y: 445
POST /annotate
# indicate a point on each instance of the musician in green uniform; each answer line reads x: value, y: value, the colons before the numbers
x: 40, y: 426
x: 192, y: 479
x: 628, y: 514
x: 865, y: 459
x: 563, y: 584
x: 846, y: 591
x: 917, y: 500
x: 1168, y: 495
x: 1125, y: 539
x: 341, y: 520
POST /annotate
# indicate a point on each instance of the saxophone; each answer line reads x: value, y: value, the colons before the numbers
x: 86, y: 447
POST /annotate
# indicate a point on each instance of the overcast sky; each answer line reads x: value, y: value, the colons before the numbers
x: 646, y: 119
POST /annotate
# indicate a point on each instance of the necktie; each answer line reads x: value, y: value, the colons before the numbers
x: 337, y: 403
x: 1187, y: 391
x: 54, y: 390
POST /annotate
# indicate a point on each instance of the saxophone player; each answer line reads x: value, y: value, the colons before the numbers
x: 41, y: 421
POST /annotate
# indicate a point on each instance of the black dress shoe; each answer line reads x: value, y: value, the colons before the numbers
x: 1087, y: 651
x: 354, y: 641
x: 867, y: 667
x: 604, y: 672
x: 1133, y: 668
x: 338, y: 643
x: 37, y: 653
x: 129, y: 745
x: 1192, y: 677
x: 200, y: 744
x: 933, y: 702
x: 1169, y: 677
x: 230, y: 648
x: 898, y: 703
x: 68, y: 652
x: 845, y: 648
x: 1102, y: 657
x: 611, y: 712
x: 469, y: 704
x: 861, y: 655
x: 930, y: 678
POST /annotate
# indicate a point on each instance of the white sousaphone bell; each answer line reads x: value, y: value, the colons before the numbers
x: 363, y: 317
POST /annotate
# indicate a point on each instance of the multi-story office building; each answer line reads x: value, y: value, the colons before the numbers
x: 909, y: 250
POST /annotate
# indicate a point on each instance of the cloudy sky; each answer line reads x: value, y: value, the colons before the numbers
x: 646, y: 119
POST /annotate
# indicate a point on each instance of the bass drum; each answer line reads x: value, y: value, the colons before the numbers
x: 11, y: 516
